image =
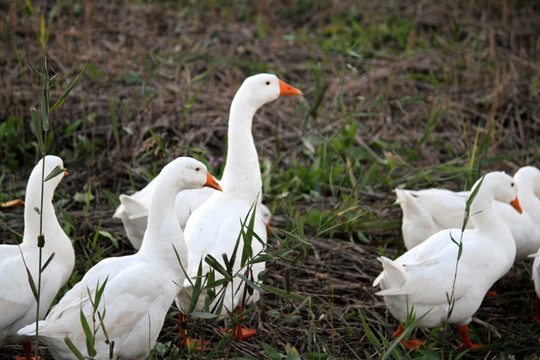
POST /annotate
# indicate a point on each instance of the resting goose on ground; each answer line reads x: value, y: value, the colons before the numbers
x: 427, y: 211
x: 139, y: 288
x: 17, y: 302
x: 422, y: 278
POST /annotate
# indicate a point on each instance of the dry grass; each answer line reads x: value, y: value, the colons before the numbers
x: 477, y: 64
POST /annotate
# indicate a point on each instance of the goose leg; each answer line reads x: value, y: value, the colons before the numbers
x: 186, y: 341
x: 411, y: 344
x: 241, y: 333
x: 467, y: 343
x: 27, y: 347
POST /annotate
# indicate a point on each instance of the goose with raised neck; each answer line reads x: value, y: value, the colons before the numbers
x: 242, y: 159
x: 17, y: 303
x: 242, y: 187
x: 139, y: 288
x: 428, y: 211
x: 422, y: 279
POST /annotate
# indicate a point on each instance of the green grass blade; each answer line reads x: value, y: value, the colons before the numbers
x: 60, y: 101
x: 47, y: 262
x: 73, y: 349
x: 90, y: 339
x: 36, y: 126
x: 54, y: 173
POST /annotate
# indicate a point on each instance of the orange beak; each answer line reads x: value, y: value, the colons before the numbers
x: 515, y: 205
x: 66, y: 172
x: 212, y: 183
x: 287, y: 90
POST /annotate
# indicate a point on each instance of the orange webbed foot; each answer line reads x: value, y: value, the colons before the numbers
x: 241, y: 333
x: 411, y: 344
x: 466, y: 341
x: 194, y: 344
x: 463, y: 347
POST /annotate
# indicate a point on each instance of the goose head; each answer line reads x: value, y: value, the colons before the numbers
x: 53, y: 165
x: 261, y: 89
x: 188, y: 173
x: 528, y: 178
x: 496, y: 185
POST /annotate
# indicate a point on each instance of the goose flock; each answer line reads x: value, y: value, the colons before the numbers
x: 458, y: 245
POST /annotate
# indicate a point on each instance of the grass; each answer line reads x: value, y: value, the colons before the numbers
x: 396, y: 94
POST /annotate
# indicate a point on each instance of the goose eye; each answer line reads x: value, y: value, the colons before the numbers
x: 197, y: 169
x: 512, y: 184
x: 268, y: 82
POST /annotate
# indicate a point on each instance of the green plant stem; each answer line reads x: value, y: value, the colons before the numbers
x: 41, y: 237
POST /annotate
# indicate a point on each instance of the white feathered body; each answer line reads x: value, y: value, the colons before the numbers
x: 18, y: 306
x: 231, y: 212
x: 429, y: 274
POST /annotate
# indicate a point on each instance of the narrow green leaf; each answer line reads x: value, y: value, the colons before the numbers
x: 190, y: 102
x: 36, y: 127
x: 159, y: 143
x: 217, y: 283
x: 210, y: 260
x: 54, y: 173
x: 284, y: 294
x: 48, y: 262
x: 73, y: 349
x: 45, y: 106
x: 90, y: 340
x: 250, y: 283
x: 270, y: 351
x: 204, y: 315
x: 99, y: 292
x: 124, y: 107
x: 60, y: 101
x: 32, y: 283
x: 35, y: 70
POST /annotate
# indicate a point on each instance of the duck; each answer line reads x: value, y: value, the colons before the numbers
x: 228, y: 210
x: 421, y: 280
x: 133, y: 209
x: 132, y: 293
x: 18, y: 306
x: 427, y: 211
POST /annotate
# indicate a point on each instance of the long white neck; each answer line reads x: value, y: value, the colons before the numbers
x: 529, y: 202
x: 486, y: 219
x: 163, y: 232
x: 55, y: 237
x: 242, y: 174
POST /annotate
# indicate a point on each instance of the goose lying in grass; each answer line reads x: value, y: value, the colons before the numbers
x: 132, y: 293
x: 214, y: 227
x: 427, y: 211
x: 422, y: 279
x: 17, y: 302
x: 133, y: 210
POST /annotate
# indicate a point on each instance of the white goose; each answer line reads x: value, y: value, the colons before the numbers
x: 422, y: 278
x: 17, y: 302
x: 427, y: 211
x: 214, y: 227
x: 133, y: 210
x: 139, y: 288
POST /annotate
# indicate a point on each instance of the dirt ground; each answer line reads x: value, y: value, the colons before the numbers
x: 145, y: 57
